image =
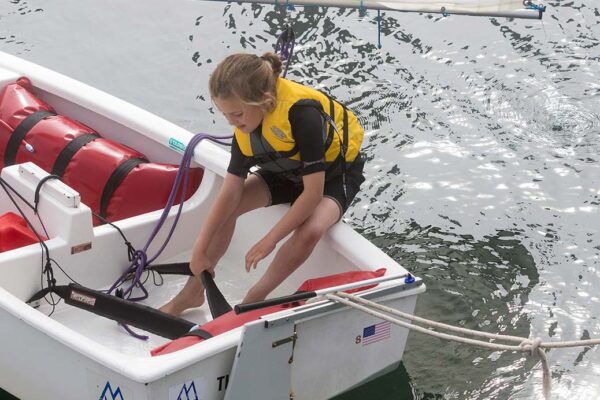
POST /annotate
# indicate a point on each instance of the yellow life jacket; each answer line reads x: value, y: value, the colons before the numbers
x: 274, y: 146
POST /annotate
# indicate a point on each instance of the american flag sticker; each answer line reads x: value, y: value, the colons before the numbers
x: 375, y: 333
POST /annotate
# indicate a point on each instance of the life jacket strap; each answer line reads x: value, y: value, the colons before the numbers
x: 331, y: 129
x: 343, y: 150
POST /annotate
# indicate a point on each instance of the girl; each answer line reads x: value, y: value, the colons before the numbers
x: 306, y: 146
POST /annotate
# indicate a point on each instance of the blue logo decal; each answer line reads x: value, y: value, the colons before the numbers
x: 177, y: 145
x: 188, y: 393
x: 116, y: 395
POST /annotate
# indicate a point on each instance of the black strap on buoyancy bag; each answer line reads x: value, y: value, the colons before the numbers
x: 67, y: 153
x: 115, y: 180
x: 10, y: 153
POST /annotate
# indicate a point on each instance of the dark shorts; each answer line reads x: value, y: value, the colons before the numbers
x: 285, y: 191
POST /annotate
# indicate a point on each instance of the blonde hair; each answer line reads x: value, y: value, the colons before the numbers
x: 250, y: 78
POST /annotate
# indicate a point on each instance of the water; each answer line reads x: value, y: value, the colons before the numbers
x: 482, y: 146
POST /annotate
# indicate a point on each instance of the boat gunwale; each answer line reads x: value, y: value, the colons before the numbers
x: 149, y: 369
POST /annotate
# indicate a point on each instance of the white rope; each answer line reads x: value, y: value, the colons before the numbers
x: 519, y: 339
x: 424, y: 321
x: 533, y: 346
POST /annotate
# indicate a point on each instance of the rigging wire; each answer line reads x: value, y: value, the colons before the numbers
x: 47, y: 263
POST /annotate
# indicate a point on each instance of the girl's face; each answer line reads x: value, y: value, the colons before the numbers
x: 243, y: 116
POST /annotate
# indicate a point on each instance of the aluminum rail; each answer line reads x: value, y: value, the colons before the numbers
x: 480, y: 8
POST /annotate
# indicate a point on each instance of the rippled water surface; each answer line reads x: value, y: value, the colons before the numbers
x: 483, y: 173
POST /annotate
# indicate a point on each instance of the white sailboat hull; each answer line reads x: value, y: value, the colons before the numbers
x: 78, y: 355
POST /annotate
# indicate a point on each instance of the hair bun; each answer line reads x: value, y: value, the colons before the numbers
x: 275, y: 62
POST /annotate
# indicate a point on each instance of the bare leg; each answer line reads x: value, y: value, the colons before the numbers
x: 255, y: 195
x: 192, y: 294
x: 295, y: 250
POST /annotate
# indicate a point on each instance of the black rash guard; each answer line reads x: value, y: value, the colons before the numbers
x: 307, y: 130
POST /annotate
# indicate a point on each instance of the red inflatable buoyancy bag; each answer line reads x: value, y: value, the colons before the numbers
x: 231, y: 320
x: 114, y: 180
x: 224, y: 323
x: 322, y: 282
x: 15, y: 233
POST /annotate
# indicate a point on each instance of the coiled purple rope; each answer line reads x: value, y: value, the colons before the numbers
x: 140, y: 259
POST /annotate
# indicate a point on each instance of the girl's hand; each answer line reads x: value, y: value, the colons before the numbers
x: 259, y: 251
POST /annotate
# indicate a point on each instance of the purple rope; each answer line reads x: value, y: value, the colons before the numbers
x: 285, y: 47
x: 133, y: 333
x: 141, y: 259
x: 186, y: 172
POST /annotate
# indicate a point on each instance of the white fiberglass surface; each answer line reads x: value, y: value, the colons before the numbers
x: 108, y: 333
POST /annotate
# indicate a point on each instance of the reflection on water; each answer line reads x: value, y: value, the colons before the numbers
x: 477, y: 284
x: 482, y: 147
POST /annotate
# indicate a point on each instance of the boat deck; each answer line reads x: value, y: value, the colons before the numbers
x: 115, y: 337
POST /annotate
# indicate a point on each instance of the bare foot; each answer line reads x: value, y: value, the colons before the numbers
x: 191, y: 296
x: 177, y: 305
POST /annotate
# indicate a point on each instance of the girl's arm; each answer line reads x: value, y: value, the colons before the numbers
x: 299, y: 212
x: 226, y: 202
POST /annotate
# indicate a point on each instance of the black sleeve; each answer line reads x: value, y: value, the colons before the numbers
x: 239, y: 164
x: 308, y: 127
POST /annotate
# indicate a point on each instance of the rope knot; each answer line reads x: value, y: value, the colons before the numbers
x: 531, y: 345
